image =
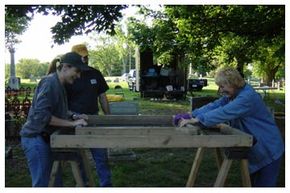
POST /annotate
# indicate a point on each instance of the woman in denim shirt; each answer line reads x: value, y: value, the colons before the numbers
x: 48, y: 111
x: 243, y: 108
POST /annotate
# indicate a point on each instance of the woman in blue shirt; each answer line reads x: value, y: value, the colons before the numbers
x: 243, y: 108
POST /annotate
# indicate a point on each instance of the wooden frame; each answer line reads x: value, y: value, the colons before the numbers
x: 144, y: 131
x: 158, y: 131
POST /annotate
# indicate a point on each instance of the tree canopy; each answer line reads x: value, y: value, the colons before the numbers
x: 15, y: 25
x: 75, y: 19
x: 31, y: 68
x: 205, y: 36
x: 203, y: 27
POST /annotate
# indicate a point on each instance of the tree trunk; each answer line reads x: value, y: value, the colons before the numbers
x: 270, y: 75
x: 146, y: 59
x: 240, y: 67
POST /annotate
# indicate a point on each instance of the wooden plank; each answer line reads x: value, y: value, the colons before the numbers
x: 130, y: 120
x: 148, y: 120
x: 148, y: 141
x: 133, y: 130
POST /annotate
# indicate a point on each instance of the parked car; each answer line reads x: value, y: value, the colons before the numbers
x: 196, y: 84
x: 124, y: 77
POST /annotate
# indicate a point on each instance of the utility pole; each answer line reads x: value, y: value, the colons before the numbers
x: 137, y: 67
x: 125, y: 58
x: 130, y: 61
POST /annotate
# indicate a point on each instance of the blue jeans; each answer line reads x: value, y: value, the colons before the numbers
x: 266, y: 176
x: 39, y: 159
x: 100, y: 156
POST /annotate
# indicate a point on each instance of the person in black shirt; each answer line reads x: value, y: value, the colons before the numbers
x: 83, y: 97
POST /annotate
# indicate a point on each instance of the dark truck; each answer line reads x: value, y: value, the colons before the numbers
x: 196, y: 84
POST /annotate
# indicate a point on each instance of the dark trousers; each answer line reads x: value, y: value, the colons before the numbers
x: 100, y: 157
x: 267, y: 176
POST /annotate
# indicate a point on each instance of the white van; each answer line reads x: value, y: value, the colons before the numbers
x: 132, y: 80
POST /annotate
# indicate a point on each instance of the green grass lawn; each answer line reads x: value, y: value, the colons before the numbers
x: 153, y: 167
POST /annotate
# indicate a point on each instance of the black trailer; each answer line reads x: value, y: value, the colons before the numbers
x: 160, y: 81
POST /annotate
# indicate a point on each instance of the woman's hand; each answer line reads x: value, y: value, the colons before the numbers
x: 55, y: 121
x: 80, y: 116
x: 79, y: 122
x: 178, y: 117
x: 183, y: 122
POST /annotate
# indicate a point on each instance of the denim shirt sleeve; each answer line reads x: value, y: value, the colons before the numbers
x: 43, y: 104
x: 234, y: 109
x: 209, y: 107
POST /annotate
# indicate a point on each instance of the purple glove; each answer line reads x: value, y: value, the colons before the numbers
x: 177, y: 117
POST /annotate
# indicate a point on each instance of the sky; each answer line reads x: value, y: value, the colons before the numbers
x: 36, y: 41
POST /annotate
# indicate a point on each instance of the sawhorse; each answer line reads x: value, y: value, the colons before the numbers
x: 224, y: 159
x: 73, y: 156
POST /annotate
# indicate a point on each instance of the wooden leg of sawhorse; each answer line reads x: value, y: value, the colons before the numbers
x: 224, y: 165
x: 74, y: 166
x: 195, y: 167
x: 246, y: 180
x: 224, y: 169
x: 75, y: 170
x: 87, y: 168
x: 219, y: 157
x: 223, y: 172
x: 55, y: 167
x: 77, y: 173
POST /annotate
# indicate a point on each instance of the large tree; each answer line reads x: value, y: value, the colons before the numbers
x: 268, y: 60
x: 14, y: 26
x: 75, y: 19
x: 31, y: 68
x: 204, y: 27
x: 160, y: 37
x: 106, y: 57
